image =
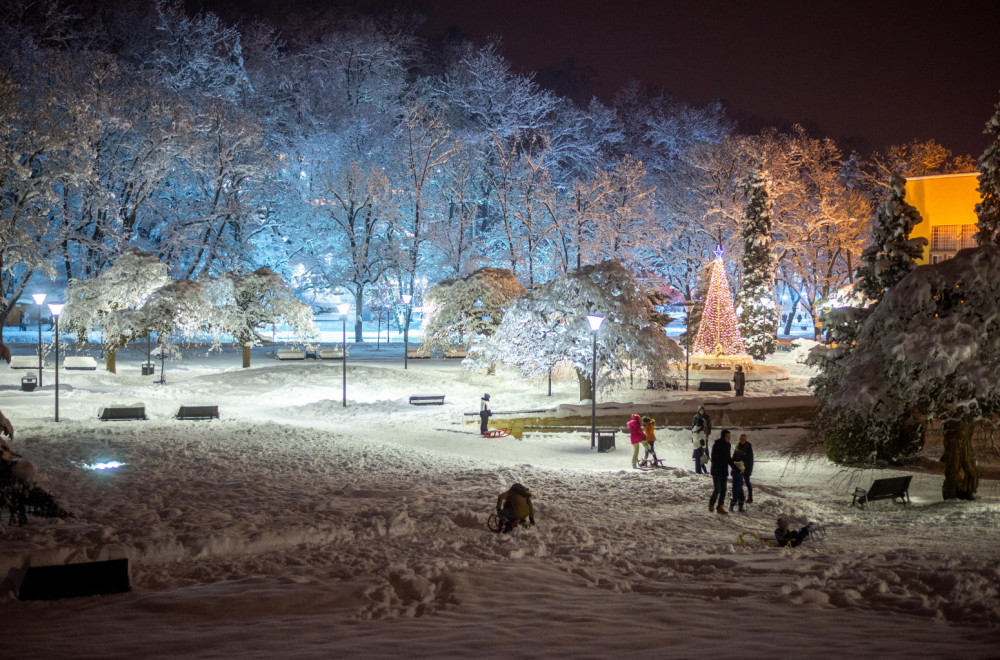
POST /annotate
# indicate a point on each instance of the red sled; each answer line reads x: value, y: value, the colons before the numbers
x: 497, y: 433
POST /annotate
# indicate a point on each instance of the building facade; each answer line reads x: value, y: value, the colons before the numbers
x: 947, y: 203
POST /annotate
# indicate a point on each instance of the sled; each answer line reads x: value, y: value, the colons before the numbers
x: 497, y: 433
x: 658, y: 463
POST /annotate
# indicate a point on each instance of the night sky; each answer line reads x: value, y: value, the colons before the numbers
x: 867, y: 74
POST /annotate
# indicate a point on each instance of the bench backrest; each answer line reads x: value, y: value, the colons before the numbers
x: 889, y: 486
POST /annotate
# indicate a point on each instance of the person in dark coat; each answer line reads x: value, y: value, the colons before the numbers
x: 739, y: 380
x: 515, y: 504
x: 747, y: 449
x: 701, y: 426
x: 722, y: 460
x: 739, y: 468
x: 700, y: 456
x: 786, y: 536
x: 484, y: 413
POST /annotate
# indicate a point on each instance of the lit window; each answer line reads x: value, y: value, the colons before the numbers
x: 945, y: 237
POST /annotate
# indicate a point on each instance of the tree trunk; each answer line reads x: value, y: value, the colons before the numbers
x: 246, y: 356
x: 586, y: 387
x: 358, y: 311
x: 111, y: 364
x: 961, y: 473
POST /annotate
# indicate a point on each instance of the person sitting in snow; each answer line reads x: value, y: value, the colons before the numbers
x: 515, y: 504
x: 637, y: 436
x: 649, y: 428
x: 786, y: 536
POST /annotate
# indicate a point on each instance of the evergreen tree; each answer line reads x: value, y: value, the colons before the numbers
x: 988, y: 210
x: 892, y: 256
x: 755, y: 303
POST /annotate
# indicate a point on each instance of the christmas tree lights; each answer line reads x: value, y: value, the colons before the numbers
x: 718, y: 332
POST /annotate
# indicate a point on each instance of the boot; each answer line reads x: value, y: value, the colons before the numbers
x: 711, y: 507
x: 721, y: 509
x: 741, y: 507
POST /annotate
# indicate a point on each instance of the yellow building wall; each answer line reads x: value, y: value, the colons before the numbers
x: 945, y: 199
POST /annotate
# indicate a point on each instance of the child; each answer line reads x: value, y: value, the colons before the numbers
x: 637, y: 436
x: 700, y: 457
x: 649, y: 428
x: 515, y: 504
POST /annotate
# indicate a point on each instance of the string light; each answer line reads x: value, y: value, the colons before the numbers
x: 718, y: 333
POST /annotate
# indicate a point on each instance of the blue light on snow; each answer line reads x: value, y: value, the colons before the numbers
x: 110, y: 465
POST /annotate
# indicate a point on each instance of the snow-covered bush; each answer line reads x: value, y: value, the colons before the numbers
x: 462, y: 311
x: 242, y: 304
x: 112, y: 301
x: 756, y: 304
x: 549, y: 325
x: 931, y: 348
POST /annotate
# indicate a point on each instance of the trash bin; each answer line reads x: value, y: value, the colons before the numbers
x: 605, y: 441
x: 148, y: 368
x: 28, y: 383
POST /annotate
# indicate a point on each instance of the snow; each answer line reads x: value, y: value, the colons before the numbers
x: 297, y: 527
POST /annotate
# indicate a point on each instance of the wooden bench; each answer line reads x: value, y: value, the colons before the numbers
x: 331, y: 353
x: 715, y: 386
x: 123, y: 413
x: 431, y: 400
x: 198, y: 412
x: 80, y: 363
x: 884, y: 489
x: 24, y: 362
x: 290, y: 354
x: 417, y: 353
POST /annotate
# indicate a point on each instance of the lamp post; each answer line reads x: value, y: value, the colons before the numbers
x: 688, y: 306
x: 39, y: 299
x: 406, y: 298
x: 595, y: 325
x: 343, y: 308
x: 56, y: 309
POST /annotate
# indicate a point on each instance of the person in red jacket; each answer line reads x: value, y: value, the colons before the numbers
x: 637, y: 436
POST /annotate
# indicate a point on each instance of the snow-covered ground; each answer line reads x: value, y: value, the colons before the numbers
x: 297, y: 527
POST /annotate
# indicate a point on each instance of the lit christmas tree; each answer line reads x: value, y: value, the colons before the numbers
x: 718, y: 333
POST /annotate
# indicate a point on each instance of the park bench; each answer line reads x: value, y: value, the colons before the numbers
x: 884, y: 489
x: 417, y: 353
x: 80, y: 363
x: 24, y: 362
x: 456, y: 352
x: 198, y: 412
x: 109, y: 414
x: 331, y: 353
x: 715, y: 386
x: 428, y: 400
x: 290, y: 354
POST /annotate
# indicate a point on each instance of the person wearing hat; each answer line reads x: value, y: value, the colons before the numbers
x: 484, y: 413
x: 739, y: 380
x: 637, y: 436
x: 701, y: 427
x: 786, y: 536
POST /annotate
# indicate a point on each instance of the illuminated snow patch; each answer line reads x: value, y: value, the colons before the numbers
x: 110, y: 465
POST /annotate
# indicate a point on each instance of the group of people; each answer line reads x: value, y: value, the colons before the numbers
x: 723, y: 461
x: 642, y: 433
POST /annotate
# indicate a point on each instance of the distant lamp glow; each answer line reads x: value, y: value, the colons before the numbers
x: 56, y: 308
x: 39, y: 298
x: 406, y: 298
x: 595, y: 322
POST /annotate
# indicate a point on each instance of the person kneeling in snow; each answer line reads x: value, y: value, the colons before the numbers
x: 515, y: 504
x: 784, y: 535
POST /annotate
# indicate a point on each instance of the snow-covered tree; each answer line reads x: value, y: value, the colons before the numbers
x: 112, y: 300
x: 756, y: 305
x: 988, y: 210
x: 930, y: 350
x: 893, y: 253
x: 469, y: 309
x: 548, y: 325
x: 245, y: 303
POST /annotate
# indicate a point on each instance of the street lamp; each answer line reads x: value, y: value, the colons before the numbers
x: 56, y: 309
x: 343, y: 308
x: 39, y: 299
x: 406, y: 298
x: 688, y: 306
x: 595, y: 325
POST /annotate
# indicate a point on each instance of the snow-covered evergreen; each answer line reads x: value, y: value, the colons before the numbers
x: 988, y: 210
x: 929, y: 350
x: 893, y: 253
x: 756, y: 305
x: 548, y: 325
x: 462, y: 311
